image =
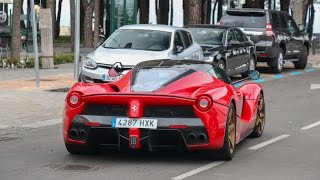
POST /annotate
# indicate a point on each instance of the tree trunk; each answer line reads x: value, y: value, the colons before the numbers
x: 51, y: 4
x: 157, y: 11
x: 87, y: 24
x: 22, y: 25
x: 311, y: 19
x: 305, y: 11
x: 96, y: 22
x: 171, y: 15
x: 192, y: 11
x: 15, y: 39
x: 214, y: 12
x: 220, y: 3
x: 107, y: 19
x: 144, y: 11
x: 206, y: 11
x: 72, y: 22
x: 269, y: 4
x: 164, y: 11
x: 57, y: 30
x: 298, y: 11
x: 284, y: 4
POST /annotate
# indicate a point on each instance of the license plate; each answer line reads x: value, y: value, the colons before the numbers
x: 134, y: 123
x: 108, y: 78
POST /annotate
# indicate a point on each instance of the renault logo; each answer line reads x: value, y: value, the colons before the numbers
x: 134, y: 108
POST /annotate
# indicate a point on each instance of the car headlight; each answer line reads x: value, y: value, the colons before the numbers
x: 90, y: 63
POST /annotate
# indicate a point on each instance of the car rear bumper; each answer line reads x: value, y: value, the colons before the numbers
x: 171, y: 134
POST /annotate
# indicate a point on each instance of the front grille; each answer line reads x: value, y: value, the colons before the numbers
x: 169, y: 111
x: 105, y: 110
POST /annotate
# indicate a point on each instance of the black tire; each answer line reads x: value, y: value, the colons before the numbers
x: 302, y: 59
x: 279, y: 62
x: 222, y: 64
x: 80, y: 149
x: 252, y: 66
x: 261, y: 118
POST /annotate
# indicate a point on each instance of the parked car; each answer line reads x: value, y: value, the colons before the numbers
x: 275, y: 34
x: 132, y: 44
x: 164, y: 105
x: 227, y: 46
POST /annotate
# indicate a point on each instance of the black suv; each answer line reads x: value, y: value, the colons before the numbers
x: 275, y: 34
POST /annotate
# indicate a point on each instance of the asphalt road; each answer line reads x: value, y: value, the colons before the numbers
x: 288, y: 149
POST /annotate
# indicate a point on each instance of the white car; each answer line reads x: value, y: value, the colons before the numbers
x: 132, y: 44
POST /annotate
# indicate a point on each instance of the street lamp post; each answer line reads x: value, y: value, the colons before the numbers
x: 77, y: 41
x: 35, y: 43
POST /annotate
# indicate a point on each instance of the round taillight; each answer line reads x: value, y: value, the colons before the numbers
x: 204, y: 103
x: 74, y: 100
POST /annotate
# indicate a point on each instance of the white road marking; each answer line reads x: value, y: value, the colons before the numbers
x: 43, y: 123
x: 311, y: 126
x: 3, y: 126
x: 315, y: 86
x: 269, y: 142
x: 198, y: 170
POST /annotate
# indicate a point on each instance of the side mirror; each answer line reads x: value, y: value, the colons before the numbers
x: 233, y: 42
x: 178, y: 49
x: 254, y: 75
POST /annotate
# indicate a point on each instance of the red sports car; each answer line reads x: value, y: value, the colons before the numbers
x: 164, y: 105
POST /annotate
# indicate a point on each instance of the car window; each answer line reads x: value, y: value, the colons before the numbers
x: 190, y: 38
x: 244, y: 19
x: 178, y: 40
x: 239, y: 35
x: 275, y: 20
x: 283, y: 22
x: 139, y: 39
x: 230, y: 36
x: 218, y: 73
x: 186, y: 39
x: 292, y: 25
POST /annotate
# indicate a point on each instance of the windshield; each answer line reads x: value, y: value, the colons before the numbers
x: 151, y: 79
x: 244, y: 19
x: 208, y: 36
x: 149, y: 40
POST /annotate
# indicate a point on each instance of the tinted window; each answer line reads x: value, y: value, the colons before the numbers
x: 244, y: 19
x: 230, y: 36
x: 207, y: 36
x: 186, y: 38
x: 178, y: 40
x: 239, y: 35
x: 139, y: 39
x: 219, y: 74
x: 283, y: 22
x: 275, y: 20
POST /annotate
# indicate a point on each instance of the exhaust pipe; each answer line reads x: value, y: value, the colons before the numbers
x: 191, y: 137
x: 73, y: 134
x: 202, y: 137
x: 82, y: 134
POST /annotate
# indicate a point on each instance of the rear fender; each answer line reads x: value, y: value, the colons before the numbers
x: 251, y: 94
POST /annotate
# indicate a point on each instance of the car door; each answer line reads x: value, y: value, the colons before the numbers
x: 296, y: 38
x: 231, y: 53
x: 192, y: 51
x: 244, y: 51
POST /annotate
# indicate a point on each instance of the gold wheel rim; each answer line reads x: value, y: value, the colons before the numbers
x: 231, y: 130
x: 260, y: 115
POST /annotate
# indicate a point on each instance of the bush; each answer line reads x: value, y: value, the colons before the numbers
x: 28, y: 61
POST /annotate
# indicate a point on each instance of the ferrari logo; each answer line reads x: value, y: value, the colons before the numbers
x: 134, y: 108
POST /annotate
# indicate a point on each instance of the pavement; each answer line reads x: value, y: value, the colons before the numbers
x: 288, y: 149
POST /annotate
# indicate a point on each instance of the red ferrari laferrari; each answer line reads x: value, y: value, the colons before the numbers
x: 164, y: 105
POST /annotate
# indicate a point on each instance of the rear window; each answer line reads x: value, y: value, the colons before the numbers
x: 244, y: 19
